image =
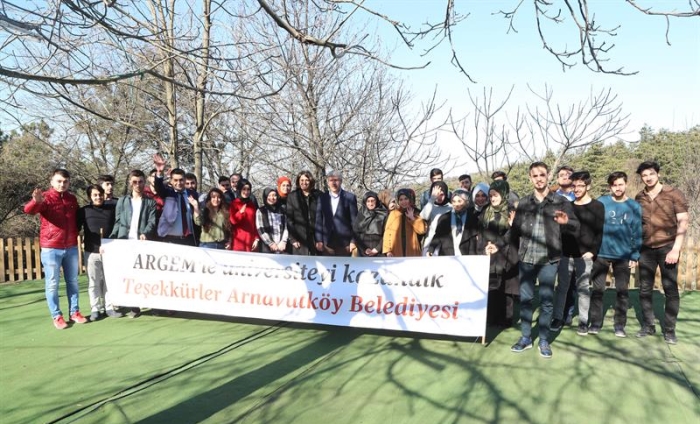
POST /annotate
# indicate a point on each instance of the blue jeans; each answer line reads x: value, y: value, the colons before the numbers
x: 52, y: 260
x: 546, y: 275
x: 213, y: 245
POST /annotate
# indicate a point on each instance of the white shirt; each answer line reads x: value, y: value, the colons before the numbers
x: 335, y: 201
x: 135, y: 214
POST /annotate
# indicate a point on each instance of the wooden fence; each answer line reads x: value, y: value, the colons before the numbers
x: 21, y: 260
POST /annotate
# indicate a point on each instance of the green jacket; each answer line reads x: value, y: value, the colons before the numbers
x: 147, y: 218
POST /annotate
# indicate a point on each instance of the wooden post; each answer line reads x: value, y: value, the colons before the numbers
x: 20, y: 259
x: 11, y: 260
x: 3, y: 268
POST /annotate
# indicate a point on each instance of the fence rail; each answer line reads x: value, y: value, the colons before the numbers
x: 21, y: 261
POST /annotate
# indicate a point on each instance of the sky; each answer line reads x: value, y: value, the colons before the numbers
x: 665, y: 92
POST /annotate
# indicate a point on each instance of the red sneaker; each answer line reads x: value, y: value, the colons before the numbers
x: 59, y: 323
x: 78, y: 318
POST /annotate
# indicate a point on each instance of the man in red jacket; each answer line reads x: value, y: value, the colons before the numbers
x: 58, y: 238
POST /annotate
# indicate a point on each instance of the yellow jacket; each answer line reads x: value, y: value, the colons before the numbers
x: 392, y: 234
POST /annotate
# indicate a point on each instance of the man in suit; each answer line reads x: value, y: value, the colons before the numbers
x: 335, y: 212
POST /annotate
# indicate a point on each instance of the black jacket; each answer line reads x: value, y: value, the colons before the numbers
x: 469, y: 242
x: 301, y: 217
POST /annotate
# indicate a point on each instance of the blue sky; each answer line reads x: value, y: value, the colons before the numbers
x: 664, y: 94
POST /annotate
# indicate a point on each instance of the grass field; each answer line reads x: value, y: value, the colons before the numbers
x: 196, y: 368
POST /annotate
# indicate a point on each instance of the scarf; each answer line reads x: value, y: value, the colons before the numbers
x: 370, y: 221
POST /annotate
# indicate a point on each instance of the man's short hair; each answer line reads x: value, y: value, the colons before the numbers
x: 178, y: 171
x: 648, y: 164
x: 310, y: 176
x: 565, y: 168
x: 538, y: 164
x: 137, y: 173
x: 465, y: 177
x: 616, y: 176
x: 190, y: 176
x: 236, y: 174
x: 499, y: 174
x: 584, y: 176
x: 224, y: 178
x: 92, y: 187
x: 62, y: 172
x: 435, y: 171
x: 336, y: 174
x: 105, y: 178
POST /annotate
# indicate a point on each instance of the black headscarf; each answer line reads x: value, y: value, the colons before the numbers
x: 242, y: 183
x: 445, y: 190
x: 370, y: 221
x: 268, y: 207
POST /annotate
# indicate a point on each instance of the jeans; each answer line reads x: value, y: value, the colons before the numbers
x: 213, y: 245
x: 649, y: 260
x: 621, y: 275
x: 581, y: 268
x: 546, y: 275
x: 52, y: 260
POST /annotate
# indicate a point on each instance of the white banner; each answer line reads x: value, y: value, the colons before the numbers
x: 440, y: 295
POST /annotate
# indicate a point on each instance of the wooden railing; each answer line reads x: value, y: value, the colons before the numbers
x: 21, y: 260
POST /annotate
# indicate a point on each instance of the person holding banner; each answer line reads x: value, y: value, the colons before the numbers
x: 244, y: 234
x: 456, y: 232
x: 213, y: 220
x: 369, y: 225
x: 403, y: 226
x: 301, y: 215
x: 335, y: 212
x: 536, y: 232
x: 271, y: 223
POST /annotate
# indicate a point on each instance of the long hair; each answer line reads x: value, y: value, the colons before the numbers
x: 210, y: 211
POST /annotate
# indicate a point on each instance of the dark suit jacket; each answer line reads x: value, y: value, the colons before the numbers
x: 468, y: 244
x: 335, y: 230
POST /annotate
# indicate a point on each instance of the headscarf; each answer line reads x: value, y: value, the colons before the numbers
x: 481, y: 187
x: 280, y: 180
x: 242, y: 183
x: 445, y: 190
x: 370, y: 221
x: 496, y: 217
x: 409, y: 193
x: 271, y: 208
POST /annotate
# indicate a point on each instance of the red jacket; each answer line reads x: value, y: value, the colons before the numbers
x: 59, y: 227
x: 243, y: 230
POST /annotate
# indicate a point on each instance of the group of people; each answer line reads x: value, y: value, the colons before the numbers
x: 550, y: 235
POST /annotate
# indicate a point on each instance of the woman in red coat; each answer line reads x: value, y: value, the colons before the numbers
x: 244, y: 234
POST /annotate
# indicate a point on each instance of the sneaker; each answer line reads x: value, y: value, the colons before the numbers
x: 59, y: 323
x: 545, y: 349
x: 114, y: 314
x: 94, y: 316
x: 620, y: 332
x: 134, y: 313
x: 78, y: 318
x: 670, y: 337
x: 556, y: 325
x: 593, y: 329
x: 582, y: 330
x: 521, y: 345
x: 646, y: 331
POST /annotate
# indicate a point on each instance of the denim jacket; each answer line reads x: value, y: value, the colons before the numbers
x: 525, y: 220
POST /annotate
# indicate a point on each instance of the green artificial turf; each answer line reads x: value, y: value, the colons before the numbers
x: 194, y: 368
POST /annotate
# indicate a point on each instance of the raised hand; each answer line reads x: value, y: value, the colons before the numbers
x: 37, y: 195
x: 159, y: 163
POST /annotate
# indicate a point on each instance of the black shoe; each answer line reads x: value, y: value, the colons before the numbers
x: 521, y: 345
x: 670, y: 337
x: 594, y: 329
x: 646, y: 331
x: 620, y: 332
x: 582, y: 330
x: 556, y: 325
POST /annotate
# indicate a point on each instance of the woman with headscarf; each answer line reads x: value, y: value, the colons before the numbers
x: 213, y: 218
x: 494, y: 226
x: 403, y: 227
x: 438, y: 204
x: 369, y: 225
x: 480, y: 197
x: 271, y: 223
x: 456, y: 232
x: 244, y: 235
x: 284, y: 187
